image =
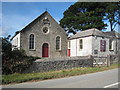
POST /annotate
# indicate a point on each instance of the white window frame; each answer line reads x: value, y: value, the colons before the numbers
x: 80, y: 44
x: 29, y: 41
x: 111, y: 42
x: 59, y: 43
x: 69, y: 44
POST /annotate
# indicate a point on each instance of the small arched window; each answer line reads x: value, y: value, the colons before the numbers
x: 31, y: 41
x: 58, y: 43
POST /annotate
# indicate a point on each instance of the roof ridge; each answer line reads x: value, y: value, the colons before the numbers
x: 88, y: 32
x: 32, y: 22
x: 93, y: 31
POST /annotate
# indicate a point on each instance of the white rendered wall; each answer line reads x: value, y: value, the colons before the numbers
x: 16, y: 41
x: 87, y: 47
x: 96, y: 46
x: 90, y: 44
x: 114, y: 47
x: 69, y: 44
x: 73, y: 47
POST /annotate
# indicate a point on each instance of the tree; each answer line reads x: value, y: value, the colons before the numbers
x: 113, y: 14
x: 6, y: 53
x: 82, y: 16
x: 86, y: 15
x: 14, y: 61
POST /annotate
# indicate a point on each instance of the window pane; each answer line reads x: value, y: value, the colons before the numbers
x: 102, y: 45
x: 81, y: 44
x: 45, y: 29
x: 57, y: 43
x: 81, y: 41
x: 31, y: 42
x: 110, y: 44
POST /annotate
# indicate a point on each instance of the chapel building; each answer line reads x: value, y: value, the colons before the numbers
x: 43, y: 37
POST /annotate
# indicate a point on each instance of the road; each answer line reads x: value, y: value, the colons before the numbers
x: 105, y: 79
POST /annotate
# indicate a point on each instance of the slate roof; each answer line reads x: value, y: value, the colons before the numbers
x: 113, y: 34
x: 88, y: 32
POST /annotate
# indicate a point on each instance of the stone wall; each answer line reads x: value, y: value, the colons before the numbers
x: 52, y: 64
x: 114, y: 59
x: 44, y: 65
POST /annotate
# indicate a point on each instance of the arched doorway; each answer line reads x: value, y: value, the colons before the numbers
x: 45, y: 50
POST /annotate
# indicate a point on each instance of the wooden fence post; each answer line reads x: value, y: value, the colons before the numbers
x: 108, y: 60
x: 92, y: 59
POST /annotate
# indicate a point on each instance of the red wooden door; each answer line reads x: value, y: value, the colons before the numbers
x: 45, y: 50
x: 68, y: 52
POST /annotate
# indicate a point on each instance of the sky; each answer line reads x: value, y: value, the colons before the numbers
x: 17, y: 15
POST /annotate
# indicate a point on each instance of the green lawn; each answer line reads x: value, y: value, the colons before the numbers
x: 19, y: 78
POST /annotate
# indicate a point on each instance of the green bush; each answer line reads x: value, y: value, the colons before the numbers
x: 18, y: 61
x: 14, y: 61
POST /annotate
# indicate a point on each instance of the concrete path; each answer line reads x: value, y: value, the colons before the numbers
x: 105, y: 79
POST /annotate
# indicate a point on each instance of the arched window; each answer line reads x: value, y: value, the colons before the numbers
x: 58, y: 43
x: 31, y: 41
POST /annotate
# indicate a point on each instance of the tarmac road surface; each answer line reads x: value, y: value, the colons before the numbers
x: 104, y: 79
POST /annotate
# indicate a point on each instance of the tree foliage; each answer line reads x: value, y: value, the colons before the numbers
x: 14, y: 61
x: 86, y: 15
x: 113, y: 14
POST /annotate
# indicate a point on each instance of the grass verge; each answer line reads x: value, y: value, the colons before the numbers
x: 19, y: 78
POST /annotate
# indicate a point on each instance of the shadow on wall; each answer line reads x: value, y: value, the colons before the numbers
x: 52, y: 64
x: 45, y: 65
